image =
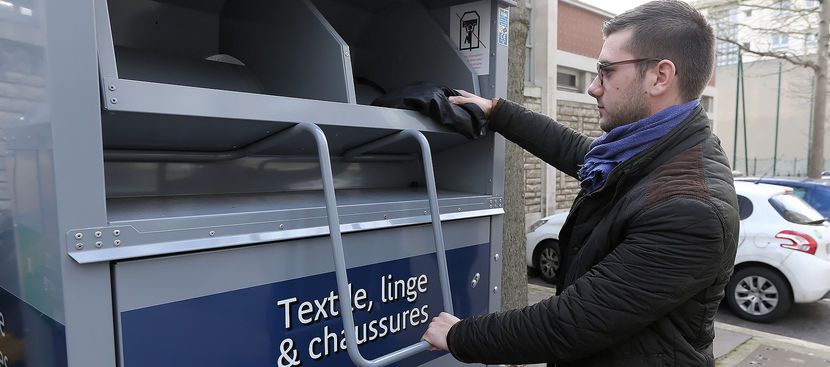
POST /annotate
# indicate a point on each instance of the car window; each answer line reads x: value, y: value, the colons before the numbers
x: 794, y: 209
x: 820, y: 199
x: 744, y: 207
x: 800, y: 192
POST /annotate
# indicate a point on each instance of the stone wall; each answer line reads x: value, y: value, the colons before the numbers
x: 584, y: 118
x: 533, y: 183
x: 534, y: 188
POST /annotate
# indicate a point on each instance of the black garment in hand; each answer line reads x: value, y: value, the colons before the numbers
x: 432, y: 100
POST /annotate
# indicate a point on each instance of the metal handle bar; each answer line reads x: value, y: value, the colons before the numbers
x: 340, y: 261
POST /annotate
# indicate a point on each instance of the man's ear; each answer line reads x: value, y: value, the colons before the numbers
x: 663, y: 79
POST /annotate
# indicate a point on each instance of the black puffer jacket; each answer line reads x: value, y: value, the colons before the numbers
x: 645, y: 259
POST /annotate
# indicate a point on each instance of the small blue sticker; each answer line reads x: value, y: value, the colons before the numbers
x: 504, y: 25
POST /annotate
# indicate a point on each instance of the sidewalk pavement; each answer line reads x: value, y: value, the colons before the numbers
x: 737, y: 346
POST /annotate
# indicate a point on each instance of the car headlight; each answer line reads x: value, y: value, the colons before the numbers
x: 536, y: 225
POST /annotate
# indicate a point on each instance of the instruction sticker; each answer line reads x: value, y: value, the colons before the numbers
x: 470, y: 32
x: 504, y: 26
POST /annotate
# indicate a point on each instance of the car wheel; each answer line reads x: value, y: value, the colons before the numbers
x: 758, y: 294
x: 546, y: 260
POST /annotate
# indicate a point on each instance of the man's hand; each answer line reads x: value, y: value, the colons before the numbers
x: 485, y: 104
x: 439, y: 327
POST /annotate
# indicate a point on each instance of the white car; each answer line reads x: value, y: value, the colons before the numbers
x: 543, y: 245
x: 783, y: 252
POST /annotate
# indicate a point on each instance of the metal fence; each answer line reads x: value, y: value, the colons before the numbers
x: 755, y: 166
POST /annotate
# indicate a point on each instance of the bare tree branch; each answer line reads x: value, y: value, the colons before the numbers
x: 777, y: 18
x: 783, y: 55
x: 775, y: 5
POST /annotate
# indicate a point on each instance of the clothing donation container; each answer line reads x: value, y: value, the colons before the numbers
x: 206, y: 183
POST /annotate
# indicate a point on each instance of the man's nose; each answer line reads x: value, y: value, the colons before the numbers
x: 595, y: 89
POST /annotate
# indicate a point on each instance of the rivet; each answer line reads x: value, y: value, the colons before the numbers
x: 426, y: 212
x: 98, y: 234
x: 476, y: 278
x: 111, y: 87
x: 98, y: 244
x: 282, y: 226
x: 496, y: 289
x: 212, y: 233
x: 116, y: 232
x: 113, y: 100
x: 79, y: 236
x: 496, y: 257
x: 459, y: 209
x: 116, y: 242
x: 385, y: 216
x: 79, y: 246
x: 346, y: 53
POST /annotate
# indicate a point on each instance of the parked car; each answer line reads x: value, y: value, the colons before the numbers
x: 543, y: 246
x: 783, y: 254
x: 814, y: 192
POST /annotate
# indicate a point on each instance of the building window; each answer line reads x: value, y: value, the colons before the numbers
x: 707, y: 103
x: 529, y: 44
x: 780, y: 40
x: 568, y: 80
x: 727, y: 53
x: 573, y: 80
x: 589, y: 77
x: 784, y: 6
x: 810, y: 39
x: 724, y: 22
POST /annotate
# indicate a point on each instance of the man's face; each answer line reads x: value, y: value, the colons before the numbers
x: 621, y: 96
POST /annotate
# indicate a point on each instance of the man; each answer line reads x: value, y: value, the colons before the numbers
x: 650, y: 241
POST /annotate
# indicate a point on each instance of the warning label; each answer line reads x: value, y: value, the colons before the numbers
x: 470, y: 31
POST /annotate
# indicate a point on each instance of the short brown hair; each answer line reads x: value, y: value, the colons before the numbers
x: 672, y: 30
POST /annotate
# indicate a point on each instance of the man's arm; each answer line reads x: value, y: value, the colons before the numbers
x: 540, y: 135
x: 671, y: 252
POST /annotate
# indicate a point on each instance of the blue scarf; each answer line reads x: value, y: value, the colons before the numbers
x: 624, y: 142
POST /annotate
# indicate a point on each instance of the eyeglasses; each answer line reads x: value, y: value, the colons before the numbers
x: 601, y: 66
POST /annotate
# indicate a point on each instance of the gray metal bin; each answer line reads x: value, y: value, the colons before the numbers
x: 204, y: 182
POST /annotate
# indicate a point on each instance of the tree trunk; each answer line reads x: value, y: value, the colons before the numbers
x: 815, y: 160
x: 514, y: 268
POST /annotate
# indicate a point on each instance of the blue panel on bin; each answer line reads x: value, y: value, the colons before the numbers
x: 295, y: 322
x: 28, y: 338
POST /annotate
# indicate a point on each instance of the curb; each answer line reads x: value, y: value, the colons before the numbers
x: 540, y: 288
x: 775, y: 338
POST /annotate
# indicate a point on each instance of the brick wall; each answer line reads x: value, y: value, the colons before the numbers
x: 579, y: 31
x: 584, y: 118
